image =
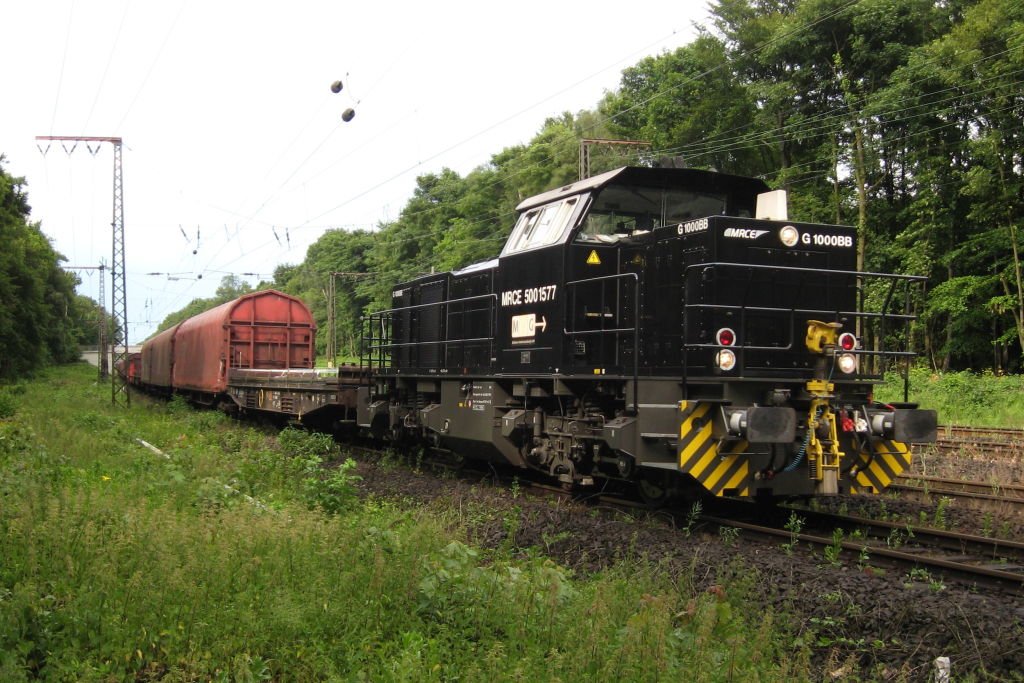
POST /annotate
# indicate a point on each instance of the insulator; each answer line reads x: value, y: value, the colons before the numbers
x: 348, y: 115
x: 336, y: 87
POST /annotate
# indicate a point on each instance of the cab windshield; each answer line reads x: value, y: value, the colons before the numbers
x: 619, y: 211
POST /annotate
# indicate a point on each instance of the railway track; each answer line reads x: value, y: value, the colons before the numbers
x: 921, y: 554
x: 914, y: 555
x: 989, y: 441
x: 997, y: 434
x: 1003, y: 499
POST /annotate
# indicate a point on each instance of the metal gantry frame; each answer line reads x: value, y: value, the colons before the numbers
x: 101, y: 324
x: 587, y: 143
x: 119, y: 289
x: 330, y: 293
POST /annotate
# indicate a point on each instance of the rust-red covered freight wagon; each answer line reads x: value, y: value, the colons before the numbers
x: 263, y: 330
x: 158, y: 359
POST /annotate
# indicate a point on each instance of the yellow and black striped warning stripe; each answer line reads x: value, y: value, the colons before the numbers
x: 889, y: 459
x: 699, y: 454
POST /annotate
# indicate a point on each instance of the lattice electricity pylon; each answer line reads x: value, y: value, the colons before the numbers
x: 102, y: 341
x: 119, y: 288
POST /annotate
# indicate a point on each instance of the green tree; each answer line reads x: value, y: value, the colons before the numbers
x: 37, y: 297
x: 690, y: 103
x: 902, y: 117
x: 964, y: 185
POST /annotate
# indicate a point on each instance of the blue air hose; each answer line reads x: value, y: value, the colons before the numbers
x: 803, y: 447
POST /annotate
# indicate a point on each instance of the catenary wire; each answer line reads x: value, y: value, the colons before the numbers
x: 63, y: 62
x: 489, y: 218
x: 152, y: 65
x: 106, y: 69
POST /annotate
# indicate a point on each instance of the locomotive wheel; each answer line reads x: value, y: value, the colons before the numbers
x: 656, y: 489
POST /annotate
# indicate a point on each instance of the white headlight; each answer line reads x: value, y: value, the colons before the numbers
x: 789, y: 236
x: 725, y: 360
x: 847, y: 363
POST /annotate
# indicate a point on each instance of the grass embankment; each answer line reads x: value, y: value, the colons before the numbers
x: 962, y: 398
x: 118, y: 564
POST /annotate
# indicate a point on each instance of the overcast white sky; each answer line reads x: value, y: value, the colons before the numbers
x: 230, y: 128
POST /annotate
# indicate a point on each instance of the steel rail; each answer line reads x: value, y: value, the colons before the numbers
x: 1004, y: 579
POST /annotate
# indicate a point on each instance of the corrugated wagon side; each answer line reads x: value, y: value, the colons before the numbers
x: 157, y: 361
x: 266, y: 330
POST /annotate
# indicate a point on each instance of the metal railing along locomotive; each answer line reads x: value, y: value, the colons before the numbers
x: 876, y: 321
x: 378, y: 348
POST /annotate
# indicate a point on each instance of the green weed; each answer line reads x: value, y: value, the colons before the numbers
x: 835, y: 550
x: 8, y: 404
x: 794, y: 526
x: 122, y: 564
x: 692, y: 517
x: 729, y: 535
x: 941, y: 517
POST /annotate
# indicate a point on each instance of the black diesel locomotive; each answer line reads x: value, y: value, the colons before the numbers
x: 668, y: 327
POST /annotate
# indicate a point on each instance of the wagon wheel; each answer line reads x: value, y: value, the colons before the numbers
x: 656, y: 488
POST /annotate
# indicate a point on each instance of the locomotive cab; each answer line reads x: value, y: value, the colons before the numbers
x: 578, y: 296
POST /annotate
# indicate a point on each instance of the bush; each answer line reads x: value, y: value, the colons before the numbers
x: 962, y: 398
x: 300, y: 443
x: 331, y: 490
x: 178, y: 405
x: 8, y: 406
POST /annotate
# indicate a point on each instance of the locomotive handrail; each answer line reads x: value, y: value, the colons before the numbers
x: 635, y: 329
x: 435, y: 341
x: 881, y: 316
x: 434, y: 303
x: 810, y: 311
x: 815, y: 271
x: 789, y: 347
x: 386, y: 317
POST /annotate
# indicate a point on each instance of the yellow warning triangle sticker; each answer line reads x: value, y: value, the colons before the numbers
x: 593, y: 259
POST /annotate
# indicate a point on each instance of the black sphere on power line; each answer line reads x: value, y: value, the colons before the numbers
x: 336, y: 87
x: 348, y: 115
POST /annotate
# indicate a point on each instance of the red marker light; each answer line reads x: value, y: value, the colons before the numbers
x: 847, y: 342
x: 726, y: 337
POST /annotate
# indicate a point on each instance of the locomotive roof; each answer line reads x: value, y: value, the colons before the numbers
x: 689, y: 178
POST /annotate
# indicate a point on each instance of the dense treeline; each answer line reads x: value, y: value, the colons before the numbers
x: 42, y: 319
x: 902, y: 117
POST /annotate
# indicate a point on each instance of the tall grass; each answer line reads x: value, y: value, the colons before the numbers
x: 118, y: 564
x: 962, y: 398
